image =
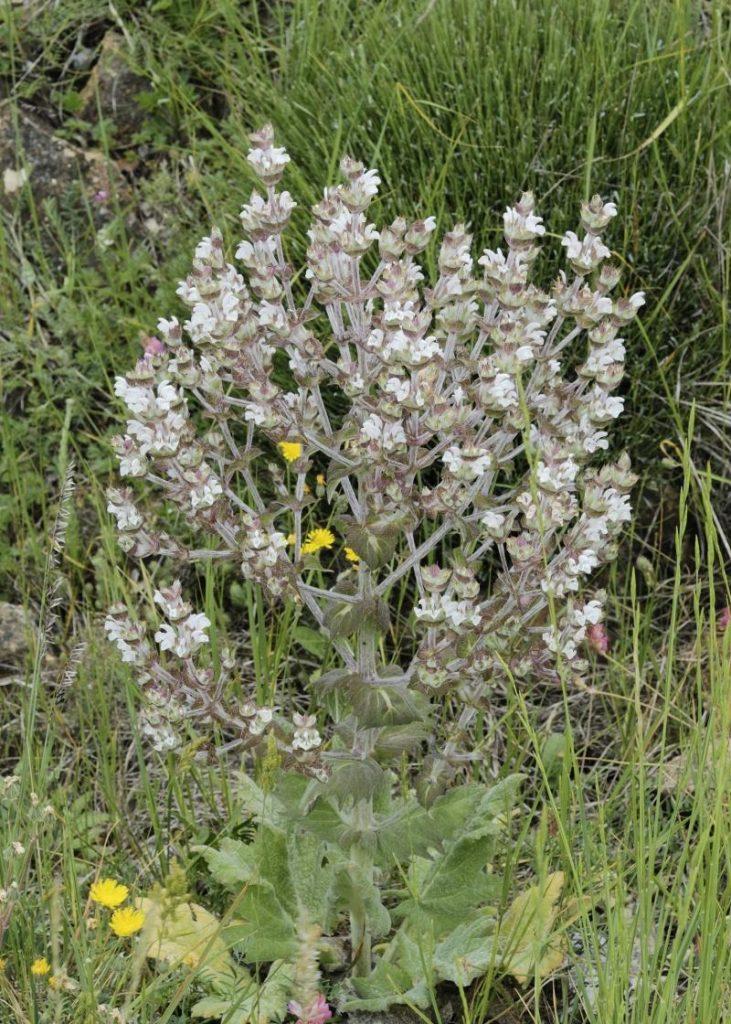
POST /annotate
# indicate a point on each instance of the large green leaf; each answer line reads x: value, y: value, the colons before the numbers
x: 249, y: 1002
x: 386, y: 985
x: 313, y: 880
x: 232, y: 863
x: 262, y: 926
x: 446, y: 888
x: 403, y: 974
x: 474, y: 809
x: 467, y: 952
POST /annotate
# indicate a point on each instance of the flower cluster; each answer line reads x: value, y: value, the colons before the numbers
x: 125, y: 921
x: 447, y: 425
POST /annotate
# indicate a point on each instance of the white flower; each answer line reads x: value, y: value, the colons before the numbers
x: 137, y: 399
x: 168, y: 327
x: 386, y: 434
x: 262, y: 718
x: 591, y: 613
x: 204, y: 250
x: 492, y: 521
x: 583, y: 563
x: 558, y: 475
x: 266, y: 161
x: 185, y: 638
x: 467, y: 463
x: 128, y: 637
x: 306, y: 736
x: 204, y: 490
x: 202, y: 321
x: 124, y: 511
x: 230, y: 307
x: 171, y: 601
x: 167, y: 396
x: 522, y: 226
x: 585, y: 255
x: 398, y: 388
x: 501, y: 392
x: 368, y: 182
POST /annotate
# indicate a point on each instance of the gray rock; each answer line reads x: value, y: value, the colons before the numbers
x: 15, y: 626
x: 112, y: 90
x: 30, y: 152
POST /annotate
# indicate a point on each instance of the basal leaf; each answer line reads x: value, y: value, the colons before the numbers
x: 467, y: 952
x: 262, y: 926
x: 250, y: 1002
x: 528, y: 941
x: 186, y: 934
x: 453, y: 885
x: 232, y: 863
x: 385, y: 986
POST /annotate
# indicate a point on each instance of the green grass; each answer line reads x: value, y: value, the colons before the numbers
x: 460, y: 104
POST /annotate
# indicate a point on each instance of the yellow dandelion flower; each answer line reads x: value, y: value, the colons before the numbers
x: 126, y: 921
x: 40, y: 967
x: 109, y: 893
x: 291, y: 450
x: 320, y: 479
x: 352, y: 556
x: 291, y: 538
x: 318, y: 539
x: 55, y: 981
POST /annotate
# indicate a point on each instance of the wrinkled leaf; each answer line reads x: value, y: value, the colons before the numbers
x: 375, y: 548
x: 313, y: 879
x: 527, y: 939
x: 248, y: 1002
x: 186, y: 935
x: 448, y: 887
x: 467, y: 952
x: 232, y: 863
x: 262, y: 926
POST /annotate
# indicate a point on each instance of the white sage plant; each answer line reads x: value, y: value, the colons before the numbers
x: 418, y: 464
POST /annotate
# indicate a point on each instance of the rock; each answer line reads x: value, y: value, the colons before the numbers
x: 31, y: 155
x: 112, y: 90
x: 15, y: 625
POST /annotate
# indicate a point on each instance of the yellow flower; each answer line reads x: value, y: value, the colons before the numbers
x: 317, y: 539
x: 291, y: 450
x: 109, y: 893
x: 352, y: 556
x: 291, y: 538
x: 126, y: 921
x: 40, y: 966
x: 320, y: 479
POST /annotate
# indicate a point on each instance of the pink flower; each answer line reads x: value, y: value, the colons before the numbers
x: 153, y: 346
x: 316, y: 1012
x: 101, y: 196
x: 598, y: 637
x: 724, y: 619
